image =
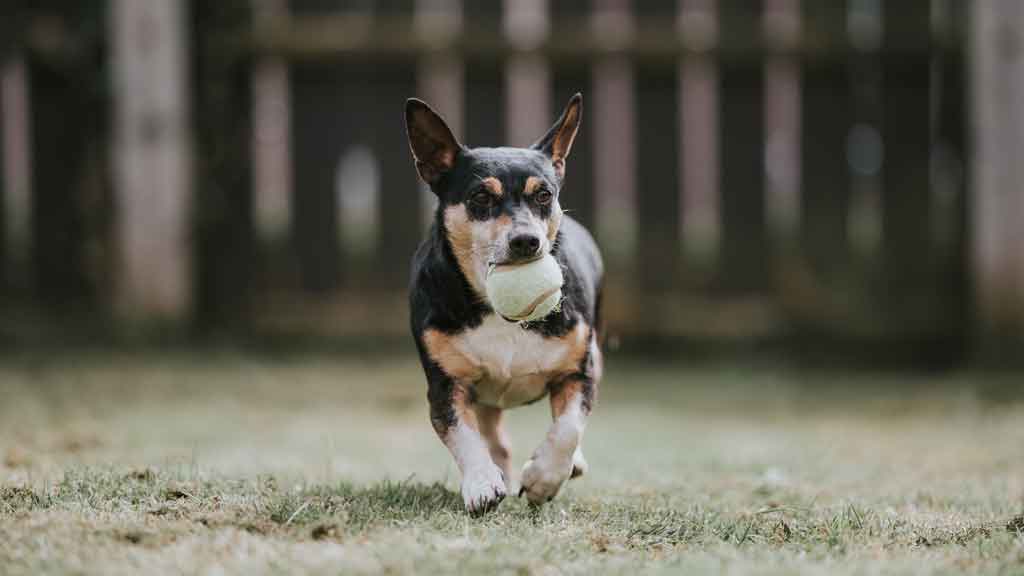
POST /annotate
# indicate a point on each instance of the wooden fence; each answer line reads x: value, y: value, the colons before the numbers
x: 755, y: 170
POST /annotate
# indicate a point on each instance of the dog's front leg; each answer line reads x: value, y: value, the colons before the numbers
x: 483, y: 483
x: 553, y: 461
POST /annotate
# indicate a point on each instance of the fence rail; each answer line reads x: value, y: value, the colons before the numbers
x: 645, y: 41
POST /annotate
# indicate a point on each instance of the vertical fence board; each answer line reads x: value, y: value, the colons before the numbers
x: 17, y: 200
x: 744, y: 247
x: 998, y: 206
x: 657, y: 165
x: 325, y: 96
x: 485, y: 82
x: 320, y: 135
x: 527, y: 76
x: 153, y: 168
x: 578, y: 194
x: 59, y: 122
x: 224, y: 226
x: 271, y: 150
x: 398, y: 217
x: 5, y: 256
x: 952, y: 167
x: 907, y: 255
x: 699, y: 129
x: 827, y: 119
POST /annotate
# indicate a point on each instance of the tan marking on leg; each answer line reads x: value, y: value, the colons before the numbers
x: 483, y: 483
x: 576, y: 340
x: 491, y: 425
x: 441, y: 349
x: 561, y: 397
x: 552, y: 463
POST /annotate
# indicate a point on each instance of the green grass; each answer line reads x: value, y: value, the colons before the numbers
x: 235, y: 465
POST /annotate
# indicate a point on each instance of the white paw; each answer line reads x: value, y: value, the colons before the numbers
x: 483, y: 488
x: 543, y: 477
x: 579, y: 464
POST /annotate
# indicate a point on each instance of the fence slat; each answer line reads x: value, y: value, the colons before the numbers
x: 485, y: 83
x: 827, y: 119
x: 6, y: 253
x: 55, y: 227
x: 951, y: 177
x: 906, y: 203
x: 324, y: 109
x: 398, y: 217
x: 578, y: 194
x: 153, y: 172
x: 657, y: 167
x: 744, y: 247
x: 223, y: 194
x: 997, y: 203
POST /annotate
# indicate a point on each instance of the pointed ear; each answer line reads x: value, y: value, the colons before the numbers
x: 558, y: 141
x: 433, y: 146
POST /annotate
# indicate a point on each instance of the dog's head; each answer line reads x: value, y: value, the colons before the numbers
x: 496, y: 205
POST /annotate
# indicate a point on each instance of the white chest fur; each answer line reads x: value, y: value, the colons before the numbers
x: 515, y: 365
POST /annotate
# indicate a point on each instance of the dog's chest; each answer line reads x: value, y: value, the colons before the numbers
x: 515, y: 365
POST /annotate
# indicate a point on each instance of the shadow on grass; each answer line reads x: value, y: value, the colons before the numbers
x: 357, y: 508
x: 260, y: 504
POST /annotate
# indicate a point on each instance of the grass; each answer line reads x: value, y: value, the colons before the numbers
x: 236, y: 465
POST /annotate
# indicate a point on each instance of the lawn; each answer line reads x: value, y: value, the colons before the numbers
x: 232, y: 464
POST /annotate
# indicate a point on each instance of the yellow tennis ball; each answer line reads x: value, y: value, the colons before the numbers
x: 526, y: 292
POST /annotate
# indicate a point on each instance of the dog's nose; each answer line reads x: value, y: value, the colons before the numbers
x: 524, y: 245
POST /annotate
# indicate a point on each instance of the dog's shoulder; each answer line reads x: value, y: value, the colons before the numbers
x: 440, y: 297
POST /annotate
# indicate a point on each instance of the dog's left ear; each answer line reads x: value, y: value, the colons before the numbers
x: 557, y: 143
x: 433, y: 146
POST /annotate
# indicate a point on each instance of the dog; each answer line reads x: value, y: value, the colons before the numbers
x: 500, y: 206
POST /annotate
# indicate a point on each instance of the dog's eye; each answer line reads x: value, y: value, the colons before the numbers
x: 543, y: 197
x: 481, y: 199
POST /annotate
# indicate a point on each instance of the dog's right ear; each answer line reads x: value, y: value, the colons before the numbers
x: 433, y: 146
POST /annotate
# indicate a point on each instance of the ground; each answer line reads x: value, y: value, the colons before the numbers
x: 230, y: 464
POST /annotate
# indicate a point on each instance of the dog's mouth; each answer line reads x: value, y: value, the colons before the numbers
x: 514, y: 261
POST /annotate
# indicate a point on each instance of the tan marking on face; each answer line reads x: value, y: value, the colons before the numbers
x: 474, y: 243
x: 442, y: 349
x: 528, y: 221
x: 494, y: 185
x: 554, y: 220
x: 532, y: 184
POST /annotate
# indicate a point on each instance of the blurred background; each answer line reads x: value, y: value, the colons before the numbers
x: 826, y: 181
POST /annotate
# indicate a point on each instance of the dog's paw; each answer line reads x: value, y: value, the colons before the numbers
x: 483, y: 488
x: 542, y: 479
x: 579, y: 464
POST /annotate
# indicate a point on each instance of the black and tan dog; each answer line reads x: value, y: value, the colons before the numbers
x: 500, y: 205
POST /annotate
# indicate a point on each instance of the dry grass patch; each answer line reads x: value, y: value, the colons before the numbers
x: 234, y: 465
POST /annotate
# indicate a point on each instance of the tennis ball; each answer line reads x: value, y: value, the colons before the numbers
x: 526, y: 292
